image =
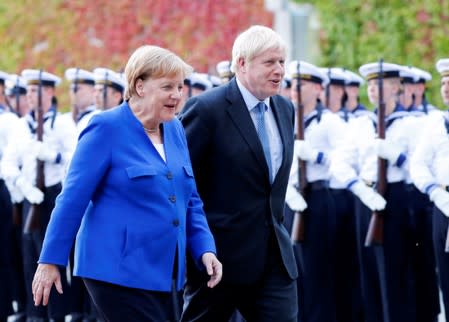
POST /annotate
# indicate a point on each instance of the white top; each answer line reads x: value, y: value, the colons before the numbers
x: 18, y: 159
x: 428, y: 165
x: 8, y: 122
x: 324, y: 136
x: 357, y: 159
x: 160, y: 148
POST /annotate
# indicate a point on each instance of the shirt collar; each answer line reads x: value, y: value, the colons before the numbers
x: 250, y: 100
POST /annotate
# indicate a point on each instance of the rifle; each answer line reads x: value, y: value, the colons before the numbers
x: 75, y: 89
x: 32, y: 223
x: 298, y: 228
x: 17, y: 214
x: 375, y: 234
x: 105, y: 91
x: 446, y: 248
x: 328, y: 90
x: 17, y: 207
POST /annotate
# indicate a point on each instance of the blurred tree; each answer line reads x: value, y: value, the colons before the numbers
x: 356, y: 32
x: 58, y: 34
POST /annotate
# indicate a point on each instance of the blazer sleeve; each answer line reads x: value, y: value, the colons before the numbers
x: 87, y: 168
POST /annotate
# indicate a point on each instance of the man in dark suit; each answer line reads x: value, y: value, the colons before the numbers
x: 240, y: 137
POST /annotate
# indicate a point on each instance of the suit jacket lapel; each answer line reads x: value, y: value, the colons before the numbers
x: 242, y: 119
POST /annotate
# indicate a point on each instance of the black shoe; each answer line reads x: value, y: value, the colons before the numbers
x: 76, y: 317
x: 18, y: 317
x: 35, y: 319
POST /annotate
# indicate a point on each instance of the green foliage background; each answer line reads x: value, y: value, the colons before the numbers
x: 413, y: 32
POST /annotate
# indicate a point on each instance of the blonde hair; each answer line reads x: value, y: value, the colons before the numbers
x: 152, y: 62
x: 254, y: 41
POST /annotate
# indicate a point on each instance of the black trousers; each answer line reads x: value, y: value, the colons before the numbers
x: 31, y: 248
x: 316, y: 259
x: 6, y: 234
x: 115, y: 303
x: 440, y: 226
x: 348, y: 291
x: 386, y: 269
x: 423, y: 257
x: 273, y: 298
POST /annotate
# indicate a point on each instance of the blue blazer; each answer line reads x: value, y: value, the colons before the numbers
x: 130, y: 208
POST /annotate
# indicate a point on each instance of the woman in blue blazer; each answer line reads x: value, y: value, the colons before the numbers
x: 131, y: 201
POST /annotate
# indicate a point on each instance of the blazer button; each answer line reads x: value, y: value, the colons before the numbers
x: 176, y: 222
x: 172, y: 198
x: 169, y: 175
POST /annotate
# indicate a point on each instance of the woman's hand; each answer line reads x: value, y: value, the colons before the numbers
x: 213, y: 267
x: 46, y: 275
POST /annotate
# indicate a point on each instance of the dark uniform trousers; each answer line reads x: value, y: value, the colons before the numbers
x: 18, y: 281
x: 440, y: 227
x: 31, y: 247
x: 316, y: 257
x: 6, y: 233
x: 424, y: 274
x: 348, y: 293
x: 386, y: 269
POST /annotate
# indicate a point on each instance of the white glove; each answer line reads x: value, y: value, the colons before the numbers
x: 16, y: 194
x: 440, y: 198
x: 295, y: 201
x: 304, y: 151
x: 368, y: 196
x: 44, y: 152
x: 31, y: 193
x: 387, y: 150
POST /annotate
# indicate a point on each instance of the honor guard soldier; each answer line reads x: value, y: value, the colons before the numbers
x: 352, y: 89
x: 224, y: 71
x: 16, y: 90
x: 419, y: 89
x: 214, y: 80
x: 186, y: 93
x: 420, y: 207
x: 407, y: 96
x: 24, y: 158
x: 199, y: 83
x: 286, y: 86
x: 347, y: 285
x: 109, y: 88
x: 334, y: 92
x: 3, y: 103
x: 82, y: 95
x: 323, y: 131
x: 385, y: 270
x: 7, y: 123
x: 429, y: 172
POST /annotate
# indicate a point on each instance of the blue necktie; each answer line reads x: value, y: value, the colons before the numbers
x: 263, y: 135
